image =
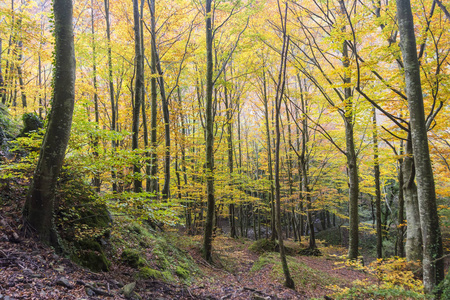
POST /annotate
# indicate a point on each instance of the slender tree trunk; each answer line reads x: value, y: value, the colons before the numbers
x: 352, y: 166
x: 111, y: 90
x: 269, y: 157
x: 96, y: 180
x: 209, y: 135
x: 139, y: 85
x: 376, y: 171
x: 401, y: 206
x: 20, y: 73
x: 278, y: 100
x: 154, y: 107
x: 39, y: 206
x: 164, y: 104
x: 433, y: 264
x: 2, y: 82
x: 229, y: 115
x: 304, y: 164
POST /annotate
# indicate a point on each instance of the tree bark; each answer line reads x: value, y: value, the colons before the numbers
x: 139, y: 85
x: 433, y: 264
x: 413, y: 246
x: 154, y: 107
x: 352, y: 166
x: 96, y: 180
x: 209, y: 136
x: 111, y: 89
x: 39, y: 206
x: 278, y: 100
x: 376, y: 172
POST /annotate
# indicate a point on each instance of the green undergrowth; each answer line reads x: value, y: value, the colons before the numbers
x: 83, y: 222
x: 304, y: 277
x: 151, y: 253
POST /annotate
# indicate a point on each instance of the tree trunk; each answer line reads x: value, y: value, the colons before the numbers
x: 401, y: 205
x: 96, y: 180
x: 413, y: 245
x: 39, y: 206
x: 269, y: 157
x: 433, y: 264
x: 209, y: 135
x: 154, y: 107
x: 278, y: 100
x: 111, y: 89
x: 376, y: 171
x: 139, y: 85
x: 229, y: 116
x: 352, y: 166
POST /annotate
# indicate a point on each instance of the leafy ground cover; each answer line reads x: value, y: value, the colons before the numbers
x: 148, y: 264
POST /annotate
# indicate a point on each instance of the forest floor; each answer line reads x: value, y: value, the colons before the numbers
x: 29, y: 270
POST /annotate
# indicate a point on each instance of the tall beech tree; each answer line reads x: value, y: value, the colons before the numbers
x: 281, y: 83
x: 209, y: 137
x: 433, y: 265
x: 139, y: 85
x: 38, y: 212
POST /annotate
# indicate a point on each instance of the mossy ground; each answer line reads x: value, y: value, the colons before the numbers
x: 150, y: 253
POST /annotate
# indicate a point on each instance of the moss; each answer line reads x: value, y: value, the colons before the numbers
x: 168, y: 275
x: 131, y: 258
x: 31, y: 122
x: 147, y: 273
x: 182, y: 272
x: 262, y: 261
x: 93, y: 260
x: 89, y: 245
x: 264, y: 245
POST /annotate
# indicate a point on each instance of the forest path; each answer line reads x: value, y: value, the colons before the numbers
x: 239, y: 273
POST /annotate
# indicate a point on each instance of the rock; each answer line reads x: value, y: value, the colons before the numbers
x: 62, y: 281
x: 128, y: 289
x: 3, y: 238
x: 89, y: 292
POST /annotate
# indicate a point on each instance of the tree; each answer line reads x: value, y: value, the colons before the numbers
x: 433, y: 265
x: 278, y: 101
x: 39, y: 206
x: 139, y: 63
x: 209, y: 137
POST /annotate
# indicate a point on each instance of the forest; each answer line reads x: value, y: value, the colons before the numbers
x: 224, y: 149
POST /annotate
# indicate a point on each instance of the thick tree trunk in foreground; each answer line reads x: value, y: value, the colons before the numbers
x: 39, y: 207
x: 433, y: 265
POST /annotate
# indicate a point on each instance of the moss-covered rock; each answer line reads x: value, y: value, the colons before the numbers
x: 95, y: 261
x: 147, y: 273
x: 131, y: 258
x: 265, y: 245
x: 31, y: 123
x: 182, y: 272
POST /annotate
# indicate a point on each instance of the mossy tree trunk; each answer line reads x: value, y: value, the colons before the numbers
x: 39, y: 206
